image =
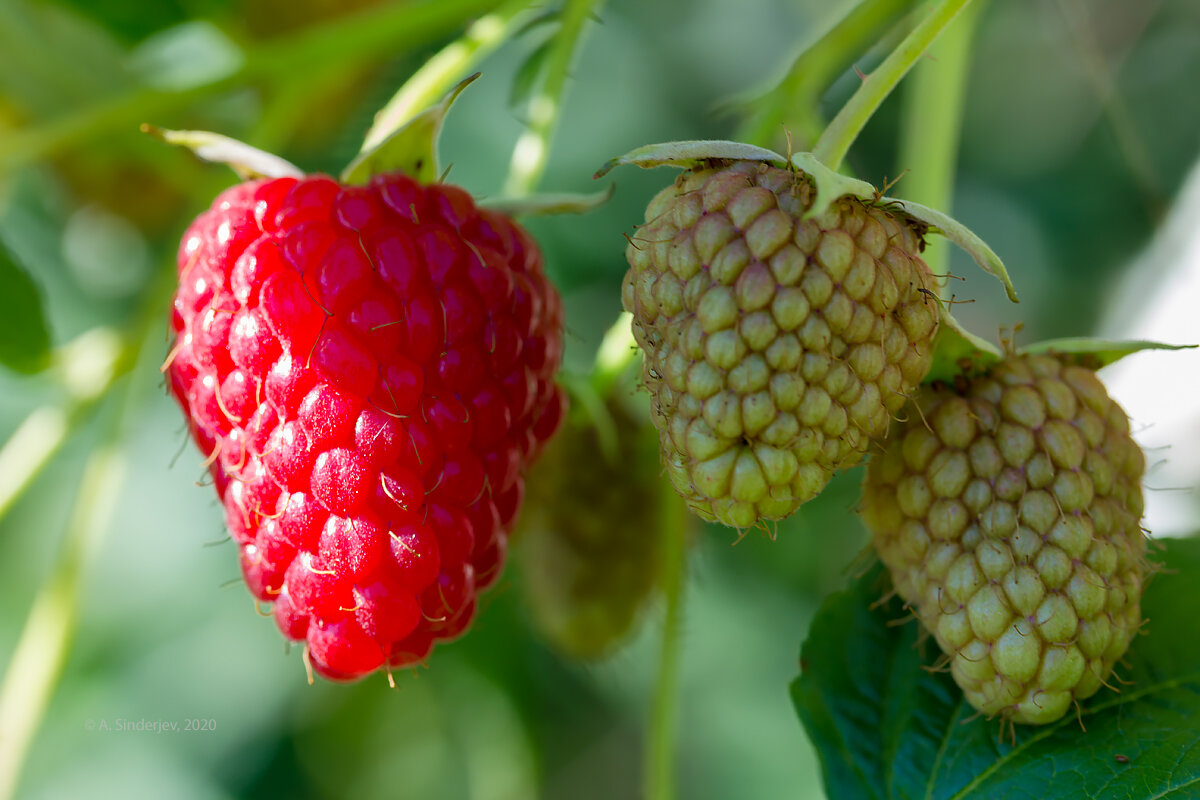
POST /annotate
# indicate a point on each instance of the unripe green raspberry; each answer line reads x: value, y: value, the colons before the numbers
x: 775, y: 348
x: 1007, y: 510
x: 589, y: 539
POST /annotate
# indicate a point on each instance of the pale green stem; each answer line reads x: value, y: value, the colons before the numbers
x: 445, y: 69
x: 28, y: 450
x: 931, y: 126
x: 88, y: 367
x: 360, y: 38
x: 664, y: 718
x: 835, y: 142
x: 45, y: 641
x: 793, y: 103
x: 533, y: 146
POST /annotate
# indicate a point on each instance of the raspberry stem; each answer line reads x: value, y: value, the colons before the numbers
x: 931, y: 126
x: 794, y: 103
x: 42, y: 649
x: 91, y: 368
x: 533, y: 147
x: 664, y: 719
x: 436, y: 77
x: 835, y: 142
x: 104, y: 358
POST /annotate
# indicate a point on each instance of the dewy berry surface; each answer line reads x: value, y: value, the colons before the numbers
x: 370, y: 369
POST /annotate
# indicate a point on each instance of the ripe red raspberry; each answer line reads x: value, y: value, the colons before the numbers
x: 370, y: 369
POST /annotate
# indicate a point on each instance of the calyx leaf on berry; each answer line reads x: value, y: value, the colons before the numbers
x: 957, y: 351
x: 409, y: 147
x: 1098, y: 352
x: 691, y: 154
x: 248, y: 162
x: 830, y: 185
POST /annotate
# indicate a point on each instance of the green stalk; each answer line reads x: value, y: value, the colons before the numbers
x: 793, y: 103
x: 664, y: 717
x: 533, y: 147
x: 360, y: 38
x: 441, y: 72
x: 98, y: 358
x: 91, y: 368
x: 835, y: 142
x: 45, y: 641
x: 931, y: 126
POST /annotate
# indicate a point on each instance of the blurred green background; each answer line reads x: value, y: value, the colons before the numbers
x: 1080, y: 127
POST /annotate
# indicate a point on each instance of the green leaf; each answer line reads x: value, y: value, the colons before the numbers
x: 185, y: 56
x: 956, y: 351
x: 544, y: 17
x: 528, y: 74
x: 24, y: 339
x: 411, y: 148
x: 962, y: 236
x: 1098, y: 353
x: 248, y: 162
x: 884, y: 726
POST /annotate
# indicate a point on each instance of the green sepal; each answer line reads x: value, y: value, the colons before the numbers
x: 540, y: 205
x: 411, y: 148
x: 248, y: 162
x: 692, y: 154
x: 962, y: 236
x: 1097, y: 353
x: 830, y: 185
x: 957, y: 351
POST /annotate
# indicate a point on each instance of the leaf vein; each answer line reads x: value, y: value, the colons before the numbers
x: 1052, y: 729
x: 937, y: 762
